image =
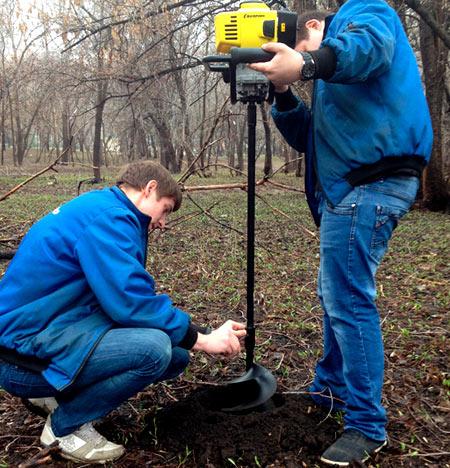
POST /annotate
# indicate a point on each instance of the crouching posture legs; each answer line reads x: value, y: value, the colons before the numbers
x: 123, y: 363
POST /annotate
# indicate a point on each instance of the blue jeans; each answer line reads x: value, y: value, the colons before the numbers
x: 354, y: 237
x: 124, y: 362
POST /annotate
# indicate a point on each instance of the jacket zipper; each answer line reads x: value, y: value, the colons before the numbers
x: 83, y: 362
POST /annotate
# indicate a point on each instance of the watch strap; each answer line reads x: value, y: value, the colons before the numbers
x: 309, y: 67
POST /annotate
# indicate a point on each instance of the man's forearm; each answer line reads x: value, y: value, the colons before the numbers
x: 285, y: 101
x: 192, y: 335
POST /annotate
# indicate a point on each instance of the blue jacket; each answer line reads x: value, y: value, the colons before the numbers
x: 372, y: 107
x: 79, y: 272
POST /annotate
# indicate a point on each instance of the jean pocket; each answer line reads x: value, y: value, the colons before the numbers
x: 347, y: 205
x: 344, y: 208
x: 386, y: 220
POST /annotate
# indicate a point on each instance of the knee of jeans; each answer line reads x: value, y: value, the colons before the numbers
x: 155, y: 356
x: 180, y: 359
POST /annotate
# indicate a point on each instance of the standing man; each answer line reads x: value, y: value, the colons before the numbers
x: 80, y: 321
x: 367, y: 137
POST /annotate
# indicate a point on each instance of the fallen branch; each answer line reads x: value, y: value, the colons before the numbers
x: 188, y: 217
x: 241, y: 186
x: 214, y: 219
x: 198, y: 188
x: 42, y: 457
x: 48, y: 168
x: 286, y: 164
x: 282, y: 213
x: 283, y: 186
x: 432, y: 454
x: 226, y: 166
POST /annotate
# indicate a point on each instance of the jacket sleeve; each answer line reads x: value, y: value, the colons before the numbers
x: 110, y: 254
x: 293, y: 124
x: 366, y: 44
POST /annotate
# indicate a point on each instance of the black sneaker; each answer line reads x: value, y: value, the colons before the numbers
x: 351, y: 446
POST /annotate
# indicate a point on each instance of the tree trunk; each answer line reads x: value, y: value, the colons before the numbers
x: 434, y: 56
x: 299, y: 168
x: 66, y: 133
x: 300, y: 6
x: 168, y: 154
x: 141, y: 142
x: 97, y: 146
x: 268, y: 139
x: 186, y: 140
x: 3, y: 146
x: 240, y: 146
x: 155, y: 152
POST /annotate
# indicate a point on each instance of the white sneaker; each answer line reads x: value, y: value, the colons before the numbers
x: 47, y: 405
x: 83, y: 445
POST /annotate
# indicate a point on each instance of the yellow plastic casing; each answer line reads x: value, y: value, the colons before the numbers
x: 244, y: 27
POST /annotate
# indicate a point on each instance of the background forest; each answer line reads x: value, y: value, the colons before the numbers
x: 88, y: 85
x: 119, y: 80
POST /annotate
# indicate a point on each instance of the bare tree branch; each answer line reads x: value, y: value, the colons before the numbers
x: 48, y: 168
x: 209, y: 215
x: 43, y: 457
x: 98, y: 29
x: 186, y: 174
x: 284, y: 215
x: 428, y: 18
x: 159, y: 74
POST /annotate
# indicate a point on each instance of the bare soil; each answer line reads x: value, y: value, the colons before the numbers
x: 201, y: 264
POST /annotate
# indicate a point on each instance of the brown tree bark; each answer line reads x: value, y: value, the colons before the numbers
x: 435, y: 14
x: 102, y: 87
x: 301, y: 6
x: 186, y: 140
x: 434, y: 57
x: 168, y: 152
x: 268, y: 140
x: 240, y: 145
x: 3, y: 134
x: 66, y: 132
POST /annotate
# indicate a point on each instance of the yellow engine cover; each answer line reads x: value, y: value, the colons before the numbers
x: 252, y: 25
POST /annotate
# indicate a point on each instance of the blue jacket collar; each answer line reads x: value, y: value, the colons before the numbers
x: 143, y: 218
x: 328, y: 21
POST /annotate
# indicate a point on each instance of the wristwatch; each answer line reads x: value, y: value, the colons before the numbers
x: 309, y: 67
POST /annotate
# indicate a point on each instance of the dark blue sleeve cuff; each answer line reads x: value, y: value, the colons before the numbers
x: 286, y: 101
x: 325, y: 60
x: 191, y: 336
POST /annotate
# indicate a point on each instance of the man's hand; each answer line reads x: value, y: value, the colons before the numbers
x: 284, y: 68
x: 222, y: 340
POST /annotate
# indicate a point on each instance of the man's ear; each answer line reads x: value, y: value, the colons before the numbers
x: 314, y: 24
x: 151, y: 186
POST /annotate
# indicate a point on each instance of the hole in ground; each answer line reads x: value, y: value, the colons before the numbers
x: 226, y: 398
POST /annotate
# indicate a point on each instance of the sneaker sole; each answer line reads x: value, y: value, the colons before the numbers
x: 48, y: 439
x: 337, y: 463
x: 83, y: 460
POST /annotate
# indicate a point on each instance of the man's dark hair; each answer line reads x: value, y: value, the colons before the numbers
x: 138, y: 174
x: 302, y: 31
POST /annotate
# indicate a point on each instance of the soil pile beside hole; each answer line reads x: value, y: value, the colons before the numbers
x: 291, y: 429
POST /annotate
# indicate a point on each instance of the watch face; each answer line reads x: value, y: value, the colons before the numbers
x: 309, y: 67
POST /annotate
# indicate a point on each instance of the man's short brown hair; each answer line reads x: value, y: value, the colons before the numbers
x: 302, y: 31
x: 138, y: 174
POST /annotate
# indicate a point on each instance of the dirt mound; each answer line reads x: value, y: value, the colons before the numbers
x: 291, y: 429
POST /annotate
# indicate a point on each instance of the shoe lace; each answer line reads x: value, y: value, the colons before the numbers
x: 88, y: 433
